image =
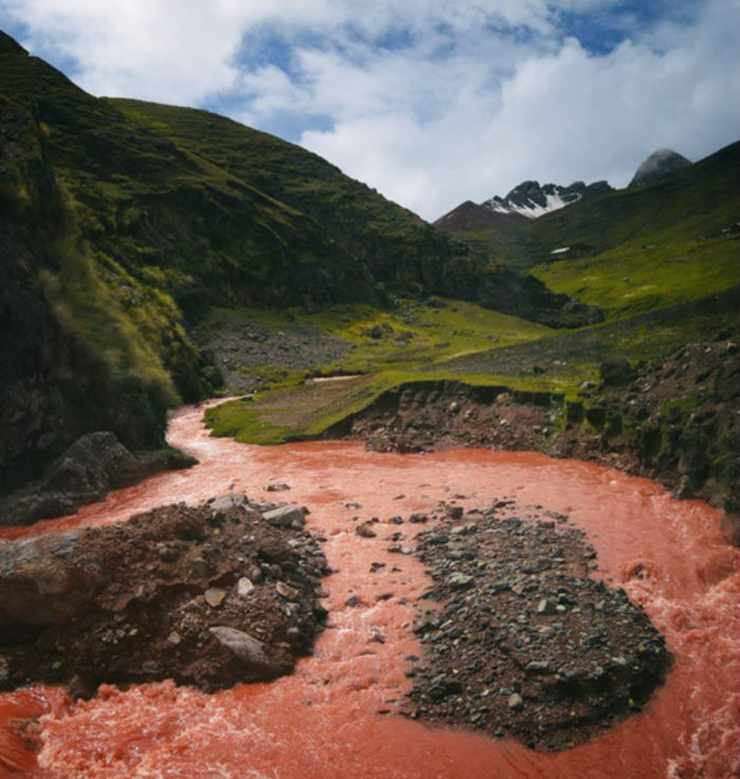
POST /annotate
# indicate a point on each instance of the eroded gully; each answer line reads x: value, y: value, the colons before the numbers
x: 324, y: 721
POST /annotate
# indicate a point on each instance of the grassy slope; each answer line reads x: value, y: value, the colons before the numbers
x: 424, y: 336
x: 666, y: 278
x: 178, y: 209
x: 635, y: 278
x: 402, y: 254
x: 697, y: 201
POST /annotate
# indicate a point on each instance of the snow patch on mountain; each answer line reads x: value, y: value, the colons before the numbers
x: 531, y: 200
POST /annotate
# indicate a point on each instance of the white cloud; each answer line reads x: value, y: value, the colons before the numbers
x: 560, y: 116
x: 431, y: 102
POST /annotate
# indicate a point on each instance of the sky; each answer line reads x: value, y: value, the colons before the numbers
x: 432, y: 102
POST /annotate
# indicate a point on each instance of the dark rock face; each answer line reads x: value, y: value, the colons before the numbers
x: 660, y: 163
x: 95, y: 464
x: 520, y: 639
x: 469, y: 217
x: 616, y: 373
x: 202, y: 595
x: 504, y: 289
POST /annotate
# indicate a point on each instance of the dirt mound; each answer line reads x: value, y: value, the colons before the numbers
x: 519, y: 640
x: 212, y: 596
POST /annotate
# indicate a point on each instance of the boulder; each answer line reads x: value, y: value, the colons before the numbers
x: 249, y: 650
x: 286, y: 516
x: 45, y: 580
x: 84, y: 473
x: 229, y: 500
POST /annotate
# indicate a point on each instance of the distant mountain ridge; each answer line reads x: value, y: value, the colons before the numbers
x: 528, y: 200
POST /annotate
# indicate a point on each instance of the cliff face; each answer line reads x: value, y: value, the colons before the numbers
x: 54, y: 387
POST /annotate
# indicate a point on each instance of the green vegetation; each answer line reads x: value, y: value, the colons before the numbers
x: 87, y: 310
x: 412, y: 334
x: 179, y: 222
x: 633, y: 279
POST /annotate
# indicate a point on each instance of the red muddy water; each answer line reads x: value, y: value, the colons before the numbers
x: 323, y: 722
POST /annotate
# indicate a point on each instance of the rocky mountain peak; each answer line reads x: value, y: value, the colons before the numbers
x: 527, y: 200
x: 660, y: 163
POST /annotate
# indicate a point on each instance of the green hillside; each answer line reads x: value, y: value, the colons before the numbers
x: 663, y: 266
x: 124, y: 223
x: 690, y: 205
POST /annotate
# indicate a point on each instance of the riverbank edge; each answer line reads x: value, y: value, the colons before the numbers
x: 635, y: 420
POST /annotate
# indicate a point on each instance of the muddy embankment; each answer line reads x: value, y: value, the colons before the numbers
x: 209, y: 595
x: 676, y: 421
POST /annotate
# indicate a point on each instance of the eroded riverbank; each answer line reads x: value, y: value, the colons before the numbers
x: 323, y: 721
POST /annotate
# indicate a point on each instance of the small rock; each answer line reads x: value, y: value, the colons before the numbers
x: 277, y: 486
x: 516, y: 701
x: 228, y: 501
x: 538, y: 667
x: 174, y: 638
x: 285, y: 516
x: 288, y: 592
x: 365, y: 530
x: 244, y: 646
x: 214, y: 596
x: 244, y: 587
x: 547, y: 608
x: 460, y: 581
x: 199, y: 567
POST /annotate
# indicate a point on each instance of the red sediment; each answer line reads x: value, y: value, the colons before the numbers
x: 324, y: 722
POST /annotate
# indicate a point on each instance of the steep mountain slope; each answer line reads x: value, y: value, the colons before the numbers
x: 660, y: 163
x: 529, y: 200
x: 395, y: 249
x: 123, y: 223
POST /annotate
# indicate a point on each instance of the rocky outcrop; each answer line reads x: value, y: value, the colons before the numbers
x: 660, y: 163
x: 532, y: 200
x: 54, y: 388
x: 528, y: 200
x: 203, y: 595
x: 93, y: 466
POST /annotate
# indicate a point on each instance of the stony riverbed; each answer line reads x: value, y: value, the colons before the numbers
x: 519, y: 639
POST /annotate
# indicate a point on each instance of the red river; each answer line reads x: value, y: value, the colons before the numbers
x: 323, y: 722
